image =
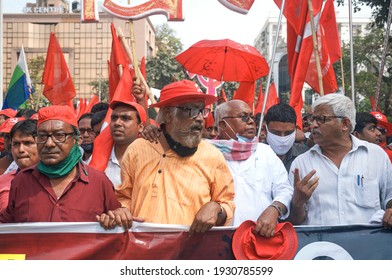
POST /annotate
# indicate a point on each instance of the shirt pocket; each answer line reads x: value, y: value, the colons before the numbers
x: 367, y: 192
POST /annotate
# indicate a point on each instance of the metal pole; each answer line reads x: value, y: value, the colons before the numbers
x: 270, y: 70
x: 1, y: 54
x: 351, y: 52
x: 383, y: 58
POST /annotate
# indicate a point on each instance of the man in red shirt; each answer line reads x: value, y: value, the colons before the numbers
x: 60, y: 188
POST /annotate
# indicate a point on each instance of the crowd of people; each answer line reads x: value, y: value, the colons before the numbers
x: 197, y: 167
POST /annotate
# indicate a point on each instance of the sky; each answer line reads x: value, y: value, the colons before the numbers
x: 204, y: 19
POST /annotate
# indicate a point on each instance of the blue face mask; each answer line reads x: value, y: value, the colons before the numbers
x: 243, y: 139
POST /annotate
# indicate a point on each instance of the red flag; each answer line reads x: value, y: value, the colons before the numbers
x: 328, y: 22
x: 272, y: 99
x: 118, y: 56
x: 222, y: 96
x: 246, y: 92
x: 59, y: 88
x: 103, y: 144
x: 143, y: 67
x: 81, y: 109
x: 94, y: 100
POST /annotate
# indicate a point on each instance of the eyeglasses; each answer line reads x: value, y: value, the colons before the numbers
x: 88, y: 130
x: 323, y: 119
x: 194, y: 112
x: 244, y: 118
x: 56, y: 137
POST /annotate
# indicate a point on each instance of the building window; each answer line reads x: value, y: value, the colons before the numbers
x: 77, y: 25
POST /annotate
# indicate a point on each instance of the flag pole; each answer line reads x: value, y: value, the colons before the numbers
x: 342, y: 68
x: 350, y: 17
x: 1, y: 54
x: 315, y: 48
x: 270, y: 70
x: 383, y: 58
x: 126, y: 47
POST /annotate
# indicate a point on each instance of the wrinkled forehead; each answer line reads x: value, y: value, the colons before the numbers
x: 54, y: 125
x: 323, y: 109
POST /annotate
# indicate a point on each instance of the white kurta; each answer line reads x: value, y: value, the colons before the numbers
x: 258, y: 181
x: 113, y: 169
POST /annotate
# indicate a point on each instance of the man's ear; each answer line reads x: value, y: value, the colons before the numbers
x: 346, y: 124
x: 222, y: 125
x: 357, y: 134
x: 167, y: 114
x: 140, y: 127
x: 79, y: 139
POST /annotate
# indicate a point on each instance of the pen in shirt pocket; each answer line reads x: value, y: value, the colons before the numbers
x: 360, y: 181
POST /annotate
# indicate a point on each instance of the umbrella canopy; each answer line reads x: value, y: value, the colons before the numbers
x: 224, y: 60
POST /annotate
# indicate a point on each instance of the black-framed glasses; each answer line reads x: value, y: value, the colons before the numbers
x: 194, y: 112
x: 244, y: 118
x: 58, y: 137
x: 323, y: 119
x: 88, y: 130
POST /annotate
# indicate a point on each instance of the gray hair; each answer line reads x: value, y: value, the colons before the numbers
x: 220, y: 112
x: 341, y: 106
x: 160, y: 117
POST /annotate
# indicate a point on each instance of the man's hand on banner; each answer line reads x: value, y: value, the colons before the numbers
x: 121, y: 217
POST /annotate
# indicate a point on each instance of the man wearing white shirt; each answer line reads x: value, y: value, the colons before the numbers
x: 262, y: 190
x: 126, y: 122
x: 341, y: 180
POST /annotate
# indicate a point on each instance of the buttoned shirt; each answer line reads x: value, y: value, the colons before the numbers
x: 352, y: 193
x: 258, y: 181
x: 163, y: 187
x: 113, y: 169
x: 32, y: 198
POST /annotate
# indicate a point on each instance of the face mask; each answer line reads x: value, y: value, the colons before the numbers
x: 243, y: 139
x: 240, y: 138
x: 280, y: 144
x: 87, y: 148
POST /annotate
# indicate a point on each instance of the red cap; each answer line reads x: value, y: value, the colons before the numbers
x: 8, y: 112
x: 282, y: 246
x: 383, y: 121
x: 57, y: 112
x: 139, y: 108
x: 182, y: 92
x: 8, y: 124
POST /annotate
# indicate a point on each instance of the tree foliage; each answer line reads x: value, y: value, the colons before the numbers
x: 367, y: 59
x: 380, y: 9
x: 163, y: 69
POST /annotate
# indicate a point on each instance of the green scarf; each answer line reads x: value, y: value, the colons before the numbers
x: 64, y: 167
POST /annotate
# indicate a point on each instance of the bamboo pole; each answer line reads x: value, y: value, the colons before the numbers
x: 137, y: 70
x: 315, y: 48
x: 383, y: 58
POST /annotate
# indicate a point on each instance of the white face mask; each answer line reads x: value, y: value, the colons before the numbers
x: 280, y: 144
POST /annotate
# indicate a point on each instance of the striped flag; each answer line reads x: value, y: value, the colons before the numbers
x: 20, y: 87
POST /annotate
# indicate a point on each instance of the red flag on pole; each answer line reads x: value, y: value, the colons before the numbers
x: 246, y: 93
x: 118, y: 57
x: 272, y: 99
x: 59, y: 88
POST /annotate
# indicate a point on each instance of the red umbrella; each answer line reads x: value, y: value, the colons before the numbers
x: 224, y: 60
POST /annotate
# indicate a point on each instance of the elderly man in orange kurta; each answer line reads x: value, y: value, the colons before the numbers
x: 180, y: 179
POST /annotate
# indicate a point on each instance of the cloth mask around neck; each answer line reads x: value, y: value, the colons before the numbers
x: 179, y: 149
x: 64, y: 167
x: 280, y: 144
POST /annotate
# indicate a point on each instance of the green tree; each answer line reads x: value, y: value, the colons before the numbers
x: 101, y: 89
x: 367, y: 59
x: 163, y: 69
x: 380, y: 9
x: 36, y: 70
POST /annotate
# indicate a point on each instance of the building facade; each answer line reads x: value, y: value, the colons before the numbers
x: 86, y: 46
